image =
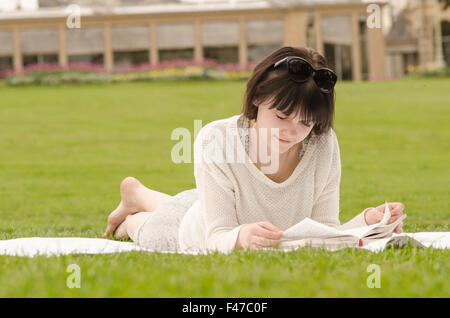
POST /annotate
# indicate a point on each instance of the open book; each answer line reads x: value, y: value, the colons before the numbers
x: 311, y: 233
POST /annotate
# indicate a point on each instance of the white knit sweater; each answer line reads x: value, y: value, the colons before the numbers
x: 231, y: 194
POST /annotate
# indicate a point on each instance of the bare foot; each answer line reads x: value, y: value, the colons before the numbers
x: 128, y: 205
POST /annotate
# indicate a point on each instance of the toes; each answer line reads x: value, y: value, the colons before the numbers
x: 113, y: 220
x: 108, y: 230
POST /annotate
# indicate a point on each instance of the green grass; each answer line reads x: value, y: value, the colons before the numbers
x: 64, y: 151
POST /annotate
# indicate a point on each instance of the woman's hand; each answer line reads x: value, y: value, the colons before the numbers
x: 257, y: 235
x: 375, y: 215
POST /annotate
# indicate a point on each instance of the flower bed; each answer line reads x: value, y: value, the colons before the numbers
x: 54, y: 74
x: 429, y: 71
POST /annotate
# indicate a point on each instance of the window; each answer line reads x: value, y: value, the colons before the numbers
x: 222, y: 54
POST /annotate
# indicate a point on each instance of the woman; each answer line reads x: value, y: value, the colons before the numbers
x: 288, y: 112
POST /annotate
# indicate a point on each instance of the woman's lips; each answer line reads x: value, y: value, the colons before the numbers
x: 284, y: 141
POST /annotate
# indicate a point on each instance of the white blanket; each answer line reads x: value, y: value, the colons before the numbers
x: 55, y: 246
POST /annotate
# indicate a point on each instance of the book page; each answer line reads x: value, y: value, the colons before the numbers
x: 384, y: 230
x: 309, y: 228
x: 386, y: 216
x: 362, y: 231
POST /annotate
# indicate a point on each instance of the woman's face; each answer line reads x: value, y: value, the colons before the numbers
x: 291, y: 130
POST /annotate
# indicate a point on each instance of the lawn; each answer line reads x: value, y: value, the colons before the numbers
x: 65, y: 150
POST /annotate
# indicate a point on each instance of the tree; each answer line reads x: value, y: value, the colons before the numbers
x: 446, y: 3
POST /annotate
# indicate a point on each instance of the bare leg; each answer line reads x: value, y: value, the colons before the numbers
x: 135, y: 198
x: 127, y: 228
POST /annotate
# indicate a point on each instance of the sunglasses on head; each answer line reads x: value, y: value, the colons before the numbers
x: 300, y: 70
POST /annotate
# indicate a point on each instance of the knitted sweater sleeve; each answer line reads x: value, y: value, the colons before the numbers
x: 216, y: 196
x: 326, y: 207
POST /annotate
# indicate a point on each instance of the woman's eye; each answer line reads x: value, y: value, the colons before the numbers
x: 281, y: 117
x: 307, y: 124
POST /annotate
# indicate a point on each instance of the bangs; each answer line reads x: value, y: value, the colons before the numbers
x: 301, y: 99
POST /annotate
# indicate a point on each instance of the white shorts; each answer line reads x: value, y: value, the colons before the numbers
x: 159, y: 231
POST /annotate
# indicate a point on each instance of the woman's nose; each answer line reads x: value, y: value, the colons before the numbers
x: 290, y: 131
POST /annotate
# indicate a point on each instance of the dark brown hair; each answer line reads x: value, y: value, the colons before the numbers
x: 274, y: 85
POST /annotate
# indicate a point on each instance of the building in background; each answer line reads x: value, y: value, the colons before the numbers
x: 121, y: 32
x: 418, y: 35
